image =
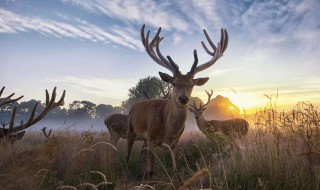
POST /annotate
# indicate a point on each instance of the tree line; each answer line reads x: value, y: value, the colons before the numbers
x: 149, y: 87
x: 145, y: 88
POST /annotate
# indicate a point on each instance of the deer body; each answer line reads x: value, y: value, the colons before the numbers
x: 236, y: 126
x: 117, y: 123
x: 117, y: 126
x: 164, y: 123
x: 161, y: 122
x: 228, y: 127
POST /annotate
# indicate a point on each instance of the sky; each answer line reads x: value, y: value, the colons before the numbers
x: 92, y: 48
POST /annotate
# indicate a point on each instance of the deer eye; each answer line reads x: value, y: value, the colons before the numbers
x: 173, y: 84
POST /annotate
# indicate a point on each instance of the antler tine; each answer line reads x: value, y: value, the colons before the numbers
x: 61, y: 101
x: 195, y: 63
x: 50, y: 105
x: 47, y: 97
x: 209, y: 98
x: 44, y: 130
x: 194, y: 107
x: 12, y: 119
x: 157, y: 57
x: 1, y: 91
x: 7, y: 99
x: 4, y: 124
x: 217, y: 50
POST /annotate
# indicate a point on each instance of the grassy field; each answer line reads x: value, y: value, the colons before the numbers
x: 281, y: 151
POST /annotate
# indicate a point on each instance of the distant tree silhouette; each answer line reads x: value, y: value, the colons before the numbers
x: 58, y: 113
x: 144, y: 89
x: 90, y: 108
x: 104, y: 110
x: 77, y: 110
x: 221, y: 108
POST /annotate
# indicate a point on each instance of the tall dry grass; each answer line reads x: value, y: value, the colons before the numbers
x: 281, y: 151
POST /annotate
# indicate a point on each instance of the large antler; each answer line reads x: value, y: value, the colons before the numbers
x: 7, y: 100
x: 157, y: 57
x: 50, y: 105
x: 202, y: 107
x: 216, y: 53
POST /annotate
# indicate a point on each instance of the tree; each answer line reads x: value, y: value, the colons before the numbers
x: 78, y: 110
x: 89, y: 107
x: 146, y: 88
x: 221, y: 108
x: 104, y: 110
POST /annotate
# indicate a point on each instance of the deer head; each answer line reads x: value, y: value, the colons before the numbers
x: 182, y: 84
x: 198, y: 111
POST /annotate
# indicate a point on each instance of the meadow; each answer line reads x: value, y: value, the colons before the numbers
x: 281, y: 151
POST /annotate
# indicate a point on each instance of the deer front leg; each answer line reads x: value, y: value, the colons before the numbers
x: 143, y: 156
x: 114, y: 138
x: 130, y: 140
x: 148, y: 172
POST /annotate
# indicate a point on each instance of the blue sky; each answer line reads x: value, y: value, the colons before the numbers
x: 92, y: 48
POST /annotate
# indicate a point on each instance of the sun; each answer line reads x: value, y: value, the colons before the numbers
x: 231, y: 107
x: 247, y: 103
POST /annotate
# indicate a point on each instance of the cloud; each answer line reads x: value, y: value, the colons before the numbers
x: 146, y: 11
x: 266, y: 23
x: 274, y: 22
x: 96, y: 86
x: 13, y: 23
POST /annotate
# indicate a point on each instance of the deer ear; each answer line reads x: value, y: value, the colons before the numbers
x: 166, y: 78
x: 200, y: 81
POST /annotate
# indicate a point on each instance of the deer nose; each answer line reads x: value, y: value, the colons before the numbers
x: 183, y: 99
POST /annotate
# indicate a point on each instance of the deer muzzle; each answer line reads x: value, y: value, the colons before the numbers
x: 183, y: 100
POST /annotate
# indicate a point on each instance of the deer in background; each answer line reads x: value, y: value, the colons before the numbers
x: 160, y: 122
x: 117, y: 123
x: 229, y: 127
x: 14, y: 133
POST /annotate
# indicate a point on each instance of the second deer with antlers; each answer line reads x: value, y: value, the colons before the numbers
x: 236, y: 126
x: 160, y: 122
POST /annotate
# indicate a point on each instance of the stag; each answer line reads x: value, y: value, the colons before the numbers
x: 228, y: 127
x: 117, y: 123
x: 160, y: 122
x: 16, y: 132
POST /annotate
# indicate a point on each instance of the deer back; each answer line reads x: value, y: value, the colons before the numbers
x: 232, y: 126
x: 117, y: 123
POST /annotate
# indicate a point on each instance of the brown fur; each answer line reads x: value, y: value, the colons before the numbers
x: 229, y: 127
x: 158, y: 121
x: 117, y: 126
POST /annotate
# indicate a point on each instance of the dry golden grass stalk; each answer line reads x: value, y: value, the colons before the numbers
x: 106, y: 143
x: 195, y: 178
x: 67, y: 187
x: 142, y: 187
x: 92, y: 186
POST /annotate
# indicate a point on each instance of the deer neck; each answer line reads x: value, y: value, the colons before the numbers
x: 202, y: 123
x: 176, y: 116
